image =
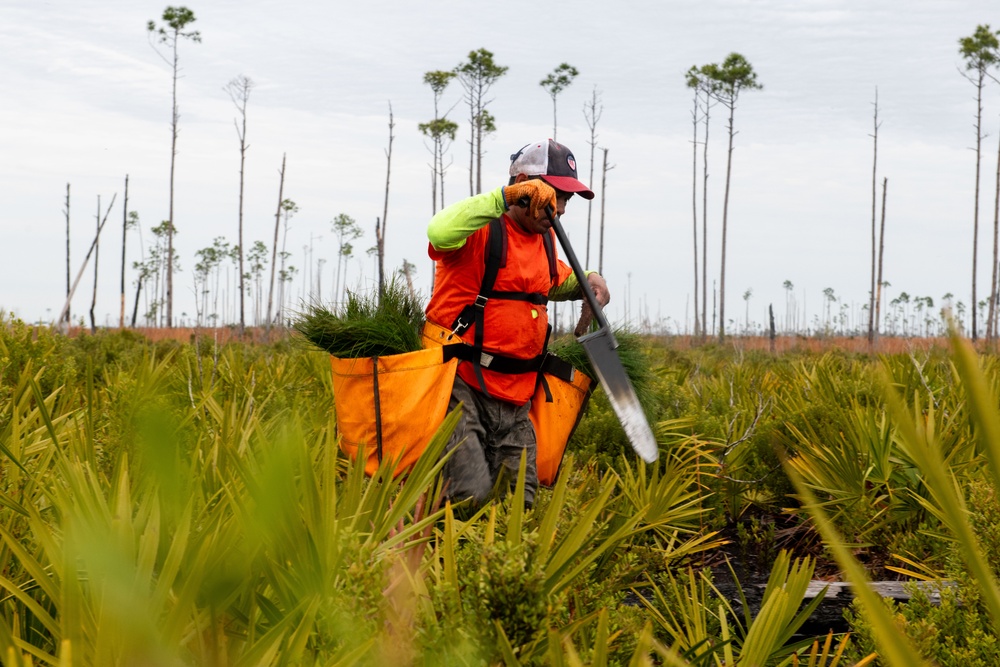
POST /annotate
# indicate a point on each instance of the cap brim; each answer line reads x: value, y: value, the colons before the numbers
x: 568, y: 184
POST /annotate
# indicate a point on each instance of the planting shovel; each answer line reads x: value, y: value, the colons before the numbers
x: 600, y: 347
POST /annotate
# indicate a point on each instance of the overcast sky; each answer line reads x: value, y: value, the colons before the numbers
x: 86, y: 100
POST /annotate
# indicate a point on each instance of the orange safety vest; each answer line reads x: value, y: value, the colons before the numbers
x: 493, y: 292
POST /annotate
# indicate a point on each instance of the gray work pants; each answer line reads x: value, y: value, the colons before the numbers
x: 488, y: 442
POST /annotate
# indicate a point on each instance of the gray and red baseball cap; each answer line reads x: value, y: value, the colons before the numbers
x: 553, y: 163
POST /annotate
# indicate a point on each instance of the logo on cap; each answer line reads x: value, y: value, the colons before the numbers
x: 571, y: 162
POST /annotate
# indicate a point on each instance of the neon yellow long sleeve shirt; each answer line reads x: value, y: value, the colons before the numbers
x: 452, y: 225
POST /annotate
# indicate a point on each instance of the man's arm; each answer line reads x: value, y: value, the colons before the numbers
x: 449, y: 228
x: 569, y: 289
x: 453, y: 224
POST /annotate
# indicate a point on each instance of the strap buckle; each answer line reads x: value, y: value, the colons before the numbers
x: 460, y: 326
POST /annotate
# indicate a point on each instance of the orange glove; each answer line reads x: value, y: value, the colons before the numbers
x: 535, y: 194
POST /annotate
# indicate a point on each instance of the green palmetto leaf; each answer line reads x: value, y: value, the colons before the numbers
x: 506, y: 650
x: 893, y: 643
x: 515, y: 519
x: 550, y: 519
x: 982, y: 402
x: 670, y: 506
x: 560, y: 655
x: 825, y: 654
x: 39, y: 577
x: 448, y: 551
x: 566, y: 562
x: 600, y: 657
x: 947, y: 498
x: 776, y: 623
x: 684, y: 615
x: 264, y: 651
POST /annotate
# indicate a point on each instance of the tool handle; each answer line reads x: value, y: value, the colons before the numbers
x: 581, y: 277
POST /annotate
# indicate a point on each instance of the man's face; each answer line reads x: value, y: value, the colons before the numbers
x: 540, y: 225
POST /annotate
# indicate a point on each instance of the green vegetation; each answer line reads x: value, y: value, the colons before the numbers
x: 367, y: 325
x: 168, y: 503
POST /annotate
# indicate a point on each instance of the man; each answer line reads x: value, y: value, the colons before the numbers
x: 499, y: 308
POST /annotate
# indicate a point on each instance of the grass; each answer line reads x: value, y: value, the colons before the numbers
x: 165, y: 504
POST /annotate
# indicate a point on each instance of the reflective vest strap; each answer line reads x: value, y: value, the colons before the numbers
x: 474, y: 313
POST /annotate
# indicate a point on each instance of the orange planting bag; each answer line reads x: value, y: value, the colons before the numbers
x: 391, y: 405
x: 555, y: 421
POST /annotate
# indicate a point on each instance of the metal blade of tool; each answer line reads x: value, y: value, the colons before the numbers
x: 600, y: 347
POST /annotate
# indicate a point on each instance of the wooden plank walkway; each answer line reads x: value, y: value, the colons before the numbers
x: 897, y: 590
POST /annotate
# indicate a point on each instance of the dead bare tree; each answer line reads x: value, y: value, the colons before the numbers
x: 288, y: 209
x: 239, y: 92
x: 700, y: 79
x: 97, y: 248
x: 604, y: 184
x: 125, y: 226
x: 881, y: 254
x: 592, y: 111
x: 274, y: 247
x: 872, y: 324
x: 380, y: 227
x: 693, y: 82
x: 97, y: 254
x: 407, y: 272
x: 64, y: 313
x: 66, y: 211
x: 996, y: 231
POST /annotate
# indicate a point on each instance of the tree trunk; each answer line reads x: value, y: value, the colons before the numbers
x: 991, y: 327
x: 725, y: 216
x: 704, y: 227
x: 67, y: 258
x: 434, y: 183
x: 604, y: 187
x: 975, y: 216
x: 472, y: 145
x: 408, y: 275
x: 590, y: 202
x: 881, y: 255
x: 243, y: 152
x: 121, y: 315
x: 996, y: 259
x: 871, y: 293
x: 97, y: 253
x: 282, y: 276
x: 554, y: 123
x: 135, y: 306
x: 274, y: 247
x: 86, y: 260
x: 771, y: 338
x: 694, y: 204
x: 479, y: 153
x: 380, y: 230
x: 170, y: 229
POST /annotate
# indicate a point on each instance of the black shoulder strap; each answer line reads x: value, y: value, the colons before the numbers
x: 474, y: 313
x: 496, y: 255
x: 550, y: 254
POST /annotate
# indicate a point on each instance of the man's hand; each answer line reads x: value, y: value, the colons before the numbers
x: 600, y: 288
x: 534, y: 195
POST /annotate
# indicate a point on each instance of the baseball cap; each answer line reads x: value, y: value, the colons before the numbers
x: 553, y: 163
